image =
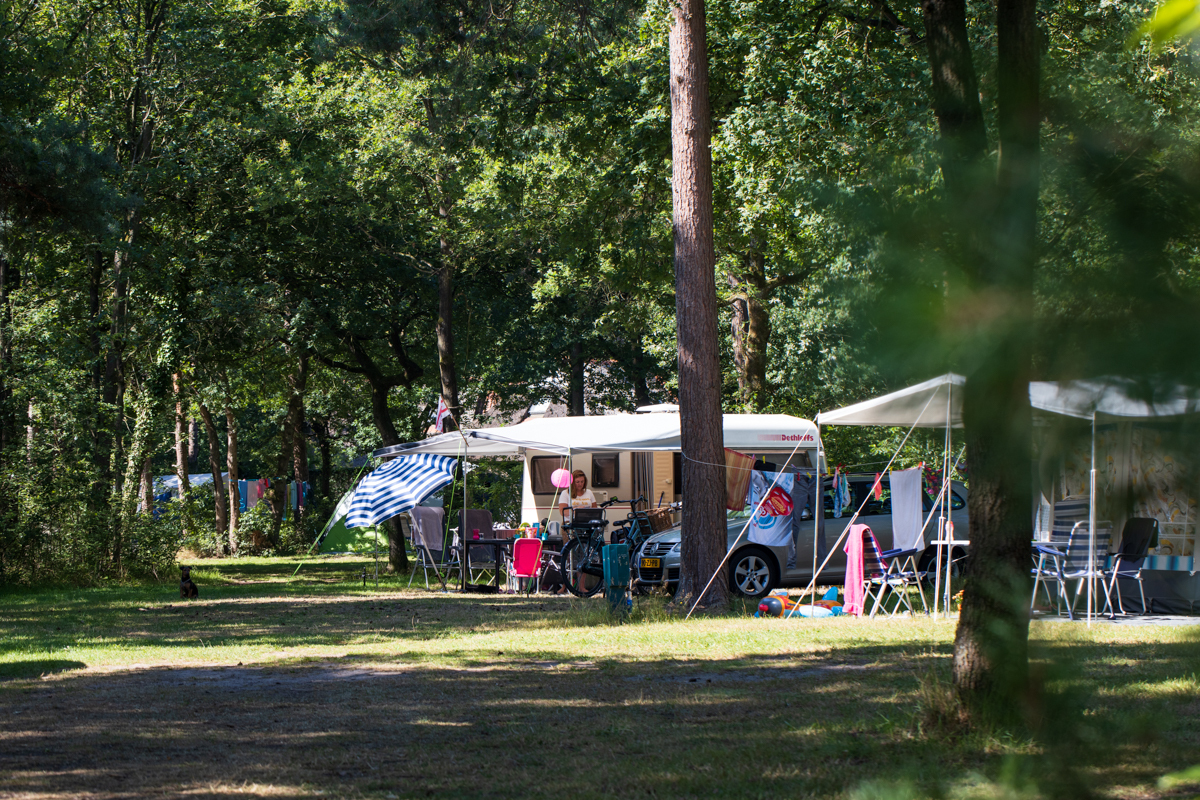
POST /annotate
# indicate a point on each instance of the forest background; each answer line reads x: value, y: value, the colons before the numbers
x: 262, y: 237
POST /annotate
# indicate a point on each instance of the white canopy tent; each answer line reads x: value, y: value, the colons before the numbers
x: 938, y: 402
x: 612, y: 433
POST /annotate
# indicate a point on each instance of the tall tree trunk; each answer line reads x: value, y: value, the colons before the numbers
x: 955, y: 94
x: 220, y: 497
x: 300, y: 463
x: 298, y: 383
x: 9, y: 278
x: 231, y: 466
x: 641, y: 391
x: 703, y: 529
x: 991, y: 644
x: 193, y: 444
x: 445, y: 337
x: 575, y: 389
x: 136, y: 469
x: 181, y: 443
x: 147, y: 488
x: 381, y: 414
x: 751, y: 322
x: 321, y: 429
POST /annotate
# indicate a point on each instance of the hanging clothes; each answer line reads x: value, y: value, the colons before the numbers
x: 772, y: 523
x: 807, y: 496
x: 837, y: 493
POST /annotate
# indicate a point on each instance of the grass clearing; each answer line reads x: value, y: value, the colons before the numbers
x: 315, y: 686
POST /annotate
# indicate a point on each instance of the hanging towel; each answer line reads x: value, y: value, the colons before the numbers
x: 772, y: 523
x: 737, y: 478
x: 854, y: 570
x: 906, y: 509
x: 878, y: 487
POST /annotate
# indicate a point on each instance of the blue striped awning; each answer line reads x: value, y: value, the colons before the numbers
x: 397, y: 486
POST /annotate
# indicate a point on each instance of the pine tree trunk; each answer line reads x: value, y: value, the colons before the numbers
x: 703, y: 528
x: 220, y: 497
x: 575, y: 388
x: 445, y: 337
x: 991, y: 644
x: 231, y: 466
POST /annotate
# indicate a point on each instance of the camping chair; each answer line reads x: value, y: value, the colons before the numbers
x: 481, y: 560
x: 1071, y: 563
x: 1140, y: 534
x: 902, y: 573
x: 526, y: 563
x: 882, y: 576
x: 430, y: 546
x: 1068, y: 513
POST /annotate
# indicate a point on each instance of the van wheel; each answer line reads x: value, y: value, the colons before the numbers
x: 753, y: 572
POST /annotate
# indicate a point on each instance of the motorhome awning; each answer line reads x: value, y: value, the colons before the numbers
x: 613, y: 432
x: 930, y: 404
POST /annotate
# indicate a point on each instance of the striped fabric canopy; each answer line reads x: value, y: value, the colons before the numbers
x: 397, y: 486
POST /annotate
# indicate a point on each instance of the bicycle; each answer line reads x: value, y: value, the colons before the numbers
x: 581, y: 561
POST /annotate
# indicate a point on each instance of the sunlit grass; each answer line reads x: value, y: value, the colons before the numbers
x: 727, y: 705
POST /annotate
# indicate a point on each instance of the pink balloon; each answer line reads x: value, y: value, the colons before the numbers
x: 560, y: 478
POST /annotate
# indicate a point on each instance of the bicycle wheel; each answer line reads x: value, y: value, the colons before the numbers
x: 582, y: 569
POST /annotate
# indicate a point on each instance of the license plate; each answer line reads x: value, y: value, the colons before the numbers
x: 651, y: 563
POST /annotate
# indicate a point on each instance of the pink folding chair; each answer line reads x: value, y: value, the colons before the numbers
x: 526, y: 561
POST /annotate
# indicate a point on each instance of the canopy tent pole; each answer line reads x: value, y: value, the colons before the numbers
x: 818, y: 503
x: 937, y: 574
x: 1091, y: 567
x: 812, y: 584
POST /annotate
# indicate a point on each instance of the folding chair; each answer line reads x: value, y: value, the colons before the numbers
x: 481, y: 560
x: 433, y: 552
x: 881, y: 575
x: 1071, y: 563
x: 901, y: 574
x: 526, y: 563
x: 1068, y: 513
x: 1139, y: 536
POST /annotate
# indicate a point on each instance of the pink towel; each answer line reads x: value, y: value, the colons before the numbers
x: 854, y: 569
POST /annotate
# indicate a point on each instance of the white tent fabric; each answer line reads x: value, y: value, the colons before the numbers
x: 613, y: 432
x: 925, y: 404
x: 339, y: 513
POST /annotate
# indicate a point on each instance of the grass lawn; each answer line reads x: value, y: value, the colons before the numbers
x: 313, y: 686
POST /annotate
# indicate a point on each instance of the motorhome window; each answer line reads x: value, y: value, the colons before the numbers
x: 540, y: 470
x: 956, y: 501
x: 606, y: 471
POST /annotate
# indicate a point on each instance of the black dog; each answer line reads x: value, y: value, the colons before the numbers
x: 187, y: 587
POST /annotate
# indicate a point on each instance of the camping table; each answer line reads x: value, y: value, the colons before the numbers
x: 498, y: 547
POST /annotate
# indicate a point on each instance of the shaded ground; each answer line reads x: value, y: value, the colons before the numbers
x: 322, y: 689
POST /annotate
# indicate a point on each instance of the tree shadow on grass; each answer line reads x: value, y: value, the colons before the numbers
x: 541, y: 724
x: 36, y: 668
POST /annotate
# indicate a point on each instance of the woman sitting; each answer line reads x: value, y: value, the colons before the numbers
x: 581, y: 496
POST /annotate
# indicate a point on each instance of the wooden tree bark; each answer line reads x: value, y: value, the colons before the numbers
x: 300, y: 463
x: 991, y: 644
x: 231, y: 466
x: 298, y: 383
x: 181, y: 442
x: 703, y: 529
x: 575, y: 388
x: 220, y: 496
x: 955, y: 94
